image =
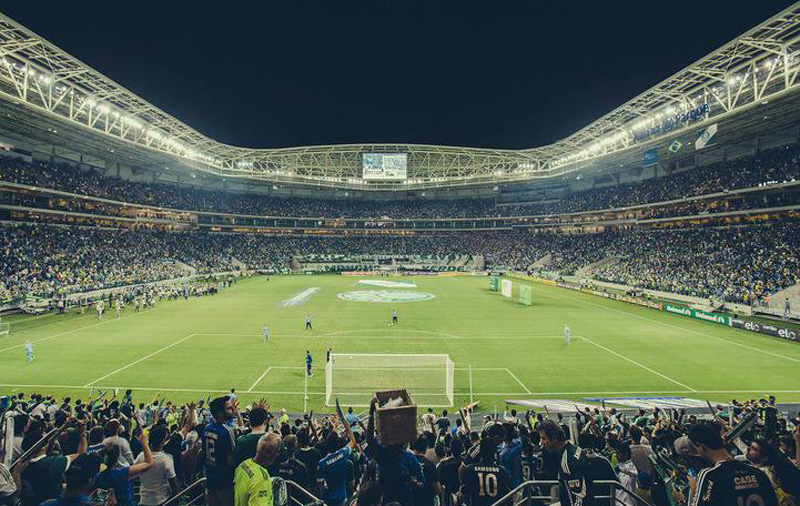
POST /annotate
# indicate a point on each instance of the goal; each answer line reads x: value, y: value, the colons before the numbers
x: 5, y: 328
x: 354, y: 378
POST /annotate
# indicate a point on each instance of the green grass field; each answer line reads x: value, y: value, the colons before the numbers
x: 190, y: 349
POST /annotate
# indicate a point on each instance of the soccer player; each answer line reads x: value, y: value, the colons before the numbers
x: 265, y: 331
x: 567, y: 334
x: 308, y: 364
x: 308, y: 322
x: 394, y: 316
x: 29, y: 351
x: 99, y: 307
x: 119, y: 306
x: 787, y: 309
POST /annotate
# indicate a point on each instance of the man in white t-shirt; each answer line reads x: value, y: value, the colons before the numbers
x: 159, y: 482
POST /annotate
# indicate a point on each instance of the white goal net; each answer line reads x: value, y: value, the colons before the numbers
x: 354, y: 378
x: 5, y: 328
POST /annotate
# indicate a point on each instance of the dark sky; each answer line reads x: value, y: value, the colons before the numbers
x: 467, y: 73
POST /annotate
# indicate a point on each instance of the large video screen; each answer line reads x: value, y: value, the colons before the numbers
x: 385, y: 166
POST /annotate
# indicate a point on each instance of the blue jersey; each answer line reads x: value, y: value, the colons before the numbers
x: 308, y: 360
x: 510, y: 459
x: 333, y: 469
x: 218, y: 443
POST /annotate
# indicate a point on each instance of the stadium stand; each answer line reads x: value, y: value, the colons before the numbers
x: 167, y: 448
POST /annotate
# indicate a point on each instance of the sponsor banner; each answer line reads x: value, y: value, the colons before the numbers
x: 766, y: 328
x: 505, y: 288
x: 706, y: 137
x: 696, y: 313
x: 650, y: 157
x: 357, y: 273
x: 672, y: 122
x: 526, y: 295
x: 651, y: 402
x: 385, y: 284
x: 494, y: 283
x: 385, y: 296
x: 552, y: 405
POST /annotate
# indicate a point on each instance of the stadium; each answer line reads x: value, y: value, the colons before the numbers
x: 624, y: 299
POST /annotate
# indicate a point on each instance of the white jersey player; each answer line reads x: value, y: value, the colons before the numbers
x: 29, y: 351
x: 567, y: 334
x: 99, y: 307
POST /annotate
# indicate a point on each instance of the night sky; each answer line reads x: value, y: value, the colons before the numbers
x: 486, y: 74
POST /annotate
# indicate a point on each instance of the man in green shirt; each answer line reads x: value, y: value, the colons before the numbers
x: 246, y: 444
x: 252, y: 483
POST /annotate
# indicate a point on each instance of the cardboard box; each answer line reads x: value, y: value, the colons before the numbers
x: 396, y: 426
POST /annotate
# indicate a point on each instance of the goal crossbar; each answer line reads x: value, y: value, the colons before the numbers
x: 353, y: 378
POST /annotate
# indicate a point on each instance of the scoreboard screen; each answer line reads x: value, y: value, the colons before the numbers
x: 385, y: 166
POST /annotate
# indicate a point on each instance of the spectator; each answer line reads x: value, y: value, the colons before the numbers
x: 159, y: 481
x: 729, y: 481
x: 254, y: 485
x: 219, y: 440
x: 119, y: 478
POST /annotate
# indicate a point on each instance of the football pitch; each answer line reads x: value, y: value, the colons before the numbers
x: 187, y: 350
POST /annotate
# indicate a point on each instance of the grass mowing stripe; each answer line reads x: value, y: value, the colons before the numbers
x: 696, y: 332
x: 623, y: 357
x: 76, y: 330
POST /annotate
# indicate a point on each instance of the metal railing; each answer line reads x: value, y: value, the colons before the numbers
x: 195, y: 493
x: 295, y: 491
x: 541, y: 492
x: 189, y: 496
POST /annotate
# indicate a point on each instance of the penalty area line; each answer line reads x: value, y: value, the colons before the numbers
x: 623, y: 357
x: 101, y: 378
x: 518, y: 381
x: 259, y: 380
x: 271, y: 392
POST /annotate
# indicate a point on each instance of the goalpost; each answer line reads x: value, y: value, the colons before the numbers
x: 354, y: 378
x: 5, y: 328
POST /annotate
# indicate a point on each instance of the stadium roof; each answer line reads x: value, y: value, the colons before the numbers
x: 46, y: 83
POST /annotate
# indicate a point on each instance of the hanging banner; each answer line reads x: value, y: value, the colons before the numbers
x: 494, y: 283
x: 706, y: 137
x: 650, y: 157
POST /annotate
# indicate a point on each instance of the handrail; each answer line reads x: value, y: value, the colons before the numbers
x: 173, y: 501
x: 548, y: 483
x: 316, y: 501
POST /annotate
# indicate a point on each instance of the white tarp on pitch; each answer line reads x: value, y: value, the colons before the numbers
x: 652, y: 402
x: 553, y: 405
x: 385, y: 284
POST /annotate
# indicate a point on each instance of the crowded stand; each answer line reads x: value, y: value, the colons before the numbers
x: 65, y: 451
x: 735, y: 264
x: 773, y: 166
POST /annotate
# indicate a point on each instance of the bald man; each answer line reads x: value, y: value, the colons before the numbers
x: 252, y: 482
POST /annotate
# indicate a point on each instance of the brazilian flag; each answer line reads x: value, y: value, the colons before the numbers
x: 675, y: 146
